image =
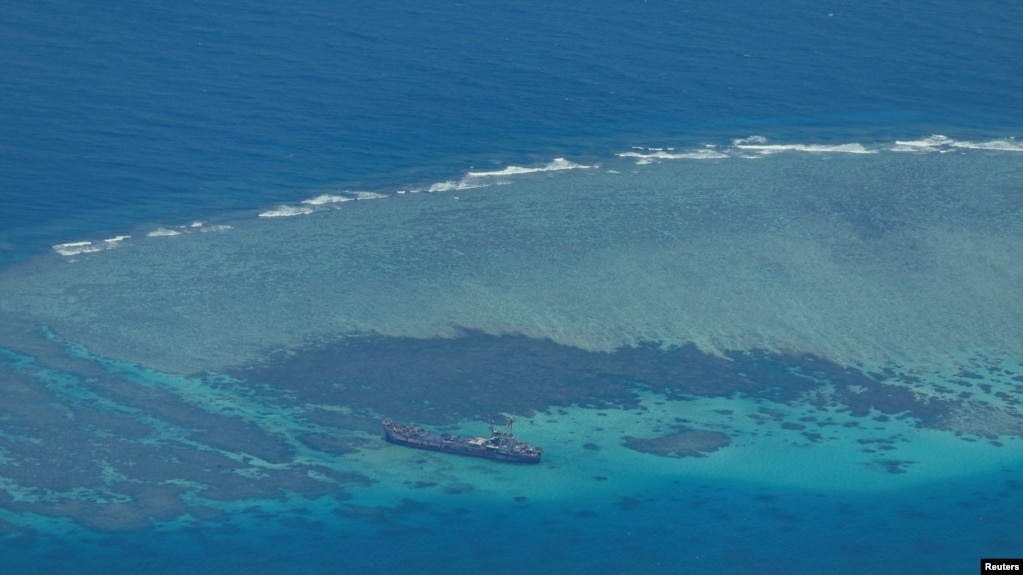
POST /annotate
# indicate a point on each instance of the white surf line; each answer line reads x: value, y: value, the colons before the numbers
x: 88, y: 246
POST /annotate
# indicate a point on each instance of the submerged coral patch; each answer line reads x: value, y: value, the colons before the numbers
x: 975, y: 418
x: 682, y: 443
x: 441, y: 381
x: 116, y: 447
x: 119, y: 453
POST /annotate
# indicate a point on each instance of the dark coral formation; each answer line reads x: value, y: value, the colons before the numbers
x: 85, y: 442
x: 443, y: 381
x: 682, y: 443
x: 117, y: 455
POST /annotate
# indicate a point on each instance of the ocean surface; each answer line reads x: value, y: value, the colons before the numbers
x: 750, y: 273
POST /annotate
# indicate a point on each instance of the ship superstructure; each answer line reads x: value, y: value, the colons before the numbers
x: 500, y: 446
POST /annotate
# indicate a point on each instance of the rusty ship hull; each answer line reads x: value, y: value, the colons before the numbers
x: 500, y: 446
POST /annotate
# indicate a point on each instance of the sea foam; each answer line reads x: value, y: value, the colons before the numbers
x: 286, y: 211
x: 163, y: 232
x: 85, y: 247
x: 483, y: 179
x: 197, y: 226
x: 759, y: 144
x: 944, y: 144
x: 741, y: 148
x: 324, y: 199
x: 652, y: 155
x: 319, y: 203
x: 555, y: 165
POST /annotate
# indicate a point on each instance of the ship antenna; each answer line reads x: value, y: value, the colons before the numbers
x: 490, y: 418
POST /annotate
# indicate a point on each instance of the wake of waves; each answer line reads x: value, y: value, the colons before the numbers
x: 751, y: 147
x: 758, y: 146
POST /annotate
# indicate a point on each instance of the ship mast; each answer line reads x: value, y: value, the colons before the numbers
x: 507, y: 425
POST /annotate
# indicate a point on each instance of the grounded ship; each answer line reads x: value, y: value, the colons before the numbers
x: 500, y: 446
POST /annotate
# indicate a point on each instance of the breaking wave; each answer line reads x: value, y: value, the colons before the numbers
x: 749, y: 147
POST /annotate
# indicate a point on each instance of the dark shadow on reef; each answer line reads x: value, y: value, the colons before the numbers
x: 116, y: 453
x: 445, y: 380
x: 682, y: 443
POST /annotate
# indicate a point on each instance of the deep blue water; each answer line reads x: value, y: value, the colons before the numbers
x: 115, y: 114
x: 722, y: 528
